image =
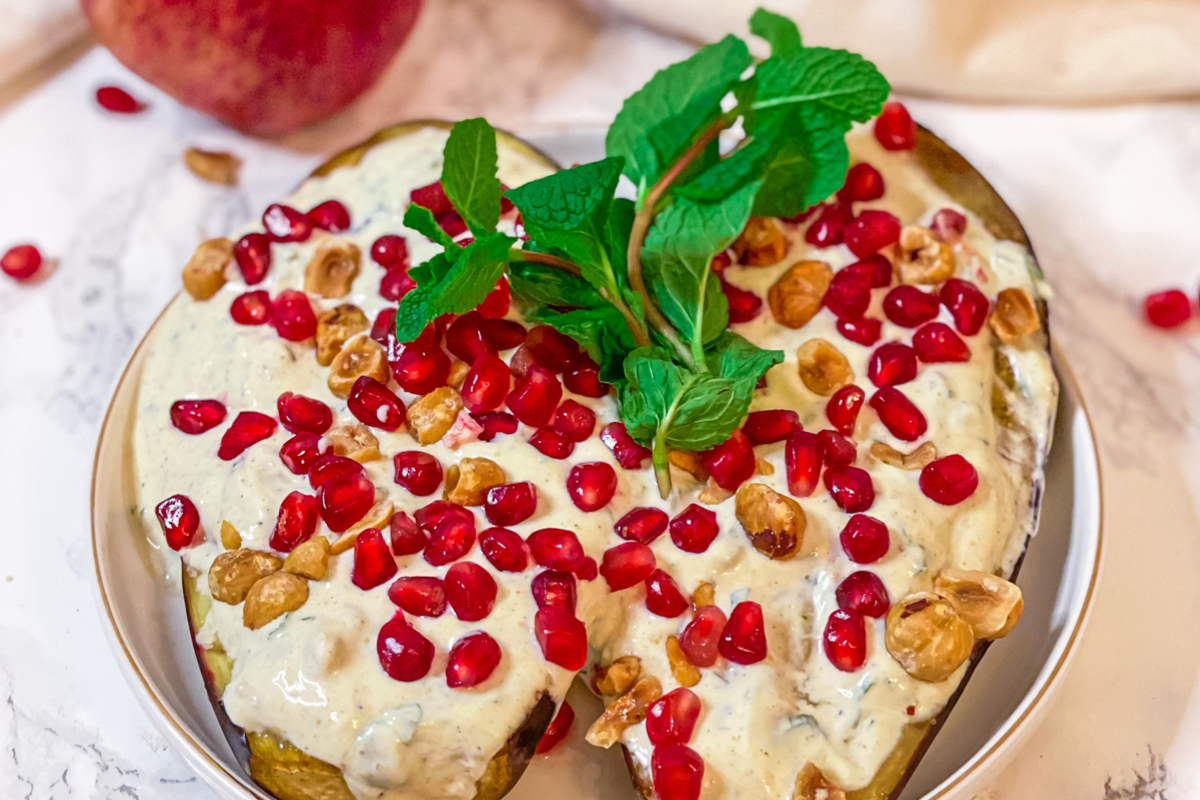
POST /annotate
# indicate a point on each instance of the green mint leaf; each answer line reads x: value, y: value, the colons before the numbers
x: 708, y: 411
x: 745, y: 164
x: 473, y: 275
x: 617, y: 228
x: 469, y: 175
x: 421, y: 220
x: 779, y: 31
x: 433, y: 270
x: 540, y: 285
x: 808, y: 166
x: 733, y: 356
x: 652, y: 383
x: 600, y: 331
x: 414, y: 313
x: 847, y: 87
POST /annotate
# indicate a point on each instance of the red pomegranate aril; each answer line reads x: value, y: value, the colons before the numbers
x: 510, y: 503
x: 949, y: 480
x: 1167, y: 309
x: 495, y: 423
x: 344, y: 501
x: 892, y: 364
x: 845, y: 639
x: 395, y: 284
x: 701, y: 637
x: 550, y: 442
x: 876, y: 268
x: 407, y: 537
x: 744, y: 640
x: 802, y: 460
x: 627, y: 564
x: 937, y: 343
x: 486, y: 384
x: 865, y: 331
x: 765, y: 427
x: 863, y: 183
x: 909, y: 307
x: 843, y: 407
x: 535, y: 397
x: 251, y: 308
x: 642, y: 525
x: 293, y: 317
x: 694, y: 529
x: 554, y: 588
x: 894, y: 128
x: 574, y: 421
x: 286, y: 224
x: 503, y: 334
x: 849, y: 294
x: 836, y: 450
x: 419, y: 596
x: 404, y: 654
x: 561, y: 636
x: 967, y: 305
x: 295, y: 523
x: 253, y: 256
x: 496, y: 304
x: 471, y: 591
x: 673, y: 718
x: 592, y: 485
x: 744, y: 305
x: 721, y: 261
x: 432, y: 515
x: 865, y: 539
x: 197, y: 416
x: 300, y: 414
x: 585, y: 381
x: 865, y: 593
x: 473, y: 659
x: 418, y: 472
x: 375, y: 405
x: 374, y: 564
x: 678, y: 772
x: 850, y: 488
x: 505, y: 550
x: 948, y: 225
x: 663, y: 596
x: 421, y: 368
x: 331, y: 467
x: 829, y: 227
x: 451, y: 539
x: 555, y: 351
x: 248, y: 428
x: 432, y: 197
x: 871, y: 231
x: 556, y: 548
x: 520, y: 362
x: 453, y: 224
x: 331, y: 215
x: 560, y: 726
x: 629, y: 454
x: 465, y: 339
x: 118, y: 101
x: 179, y: 520
x: 730, y: 463
x: 301, y: 452
x: 21, y: 262
x: 898, y: 414
x: 390, y: 252
x: 587, y: 570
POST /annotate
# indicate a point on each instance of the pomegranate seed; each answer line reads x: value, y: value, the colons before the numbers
x: 642, y: 525
x: 344, y: 501
x: 803, y: 458
x: 585, y: 381
x: 473, y: 659
x: 251, y: 308
x: 863, y: 592
x: 390, y: 252
x: 556, y: 548
x: 553, y: 350
x: 197, y: 416
x: 407, y: 537
x: 937, y: 343
x: 300, y: 414
x: 845, y: 639
x: 293, y: 317
x: 731, y: 463
x: 375, y: 405
x: 432, y: 197
x: 330, y: 215
x: 286, y: 224
x: 495, y: 423
x: 592, y: 485
x: 453, y: 224
x: 179, y: 520
x: 876, y: 268
x: 871, y: 231
x: 894, y: 128
x: 248, y: 428
x: 948, y: 225
x: 421, y: 597
x: 949, y: 480
x: 559, y: 727
x: 764, y: 427
x: 421, y: 368
x: 898, y: 414
x: 678, y: 772
x: 295, y: 523
x: 486, y: 384
x: 118, y: 101
x: 843, y: 407
x: 908, y: 306
x: 744, y: 305
x: 452, y: 539
x: 837, y: 450
x: 587, y: 569
x: 663, y: 596
x: 629, y: 454
x: 865, y: 331
x: 673, y: 718
x: 627, y: 565
x: 505, y: 550
x: 561, y: 636
x: 300, y: 452
x: 331, y: 467
x: 471, y: 591
x: 535, y: 396
x: 253, y: 256
x: 502, y: 334
x: 574, y: 421
x: 520, y: 362
x: 465, y: 339
x: 497, y: 302
x: 404, y: 654
x: 967, y: 305
x: 1167, y: 309
x: 694, y: 529
x: 418, y: 472
x: 863, y: 183
x: 510, y: 503
x: 849, y: 294
x: 865, y: 539
x: 554, y: 588
x: 21, y: 262
x: 892, y: 364
x: 394, y: 285
x: 550, y: 442
x: 721, y: 261
x: 374, y: 564
x: 850, y: 488
x: 702, y: 635
x: 829, y: 227
x: 744, y: 641
x: 438, y: 511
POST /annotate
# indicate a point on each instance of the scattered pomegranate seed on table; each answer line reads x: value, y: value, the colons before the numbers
x: 118, y: 101
x: 22, y: 262
x: 1167, y: 309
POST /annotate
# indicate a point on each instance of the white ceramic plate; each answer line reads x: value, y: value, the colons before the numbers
x: 1010, y: 691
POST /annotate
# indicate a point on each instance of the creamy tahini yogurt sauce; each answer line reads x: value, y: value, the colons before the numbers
x: 313, y: 678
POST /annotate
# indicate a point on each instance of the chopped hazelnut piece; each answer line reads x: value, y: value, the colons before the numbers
x: 310, y: 559
x: 204, y: 274
x: 797, y: 296
x: 458, y: 374
x: 920, y: 458
x: 468, y: 481
x: 627, y: 711
x: 213, y: 167
x: 822, y: 367
x: 762, y: 243
x: 360, y: 356
x: 1015, y: 316
x: 273, y: 596
x: 774, y: 522
x: 990, y: 604
x: 928, y: 637
x: 378, y: 516
x: 335, y: 327
x: 333, y: 267
x: 811, y: 784
x: 684, y: 671
x: 705, y: 595
x: 356, y: 442
x: 763, y: 467
x: 615, y: 679
x: 713, y: 495
x: 923, y: 258
x: 433, y: 414
x: 689, y: 462
x: 230, y: 538
x: 234, y: 572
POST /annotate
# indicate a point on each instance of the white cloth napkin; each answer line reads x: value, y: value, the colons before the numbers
x: 33, y: 32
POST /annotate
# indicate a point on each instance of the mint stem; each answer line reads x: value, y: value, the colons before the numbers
x: 662, y: 463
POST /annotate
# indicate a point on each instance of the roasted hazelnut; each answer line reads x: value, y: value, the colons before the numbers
x: 797, y: 296
x: 761, y: 244
x: 458, y: 374
x: 990, y: 604
x: 684, y: 671
x: 705, y: 595
x: 333, y: 267
x: 626, y: 711
x: 468, y: 481
x: 377, y: 516
x: 273, y: 596
x: 689, y: 462
x: 615, y: 679
x: 233, y: 572
x: 1015, y: 316
x: 774, y: 522
x: 822, y: 367
x: 310, y: 559
x: 763, y: 467
x: 928, y: 637
x: 811, y: 784
x: 432, y: 415
x: 356, y: 442
x: 920, y: 458
x: 924, y: 258
x: 212, y: 166
x: 360, y: 356
x: 230, y: 538
x: 335, y: 327
x: 204, y: 274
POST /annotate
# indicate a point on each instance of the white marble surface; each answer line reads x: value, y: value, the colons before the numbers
x: 1111, y: 198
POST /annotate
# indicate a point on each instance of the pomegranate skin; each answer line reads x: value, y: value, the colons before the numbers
x: 265, y: 68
